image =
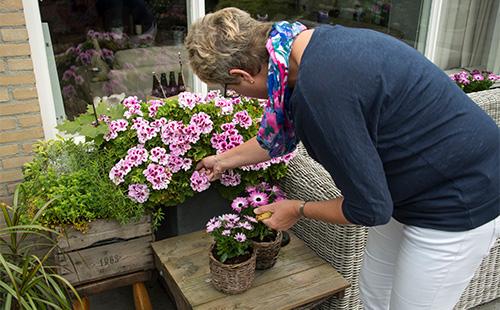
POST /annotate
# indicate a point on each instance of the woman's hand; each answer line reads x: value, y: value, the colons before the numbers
x: 212, y: 166
x: 285, y: 214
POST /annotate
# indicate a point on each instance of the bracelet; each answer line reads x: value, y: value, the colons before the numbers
x: 301, y: 208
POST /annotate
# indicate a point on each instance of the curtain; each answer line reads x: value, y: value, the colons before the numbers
x: 469, y: 35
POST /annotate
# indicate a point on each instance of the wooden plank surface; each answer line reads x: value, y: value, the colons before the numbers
x: 103, y: 230
x: 108, y: 260
x: 299, y: 277
x: 285, y: 293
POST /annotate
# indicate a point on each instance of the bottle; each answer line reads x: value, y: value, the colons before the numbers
x: 155, y: 90
x: 172, y: 85
x: 180, y: 83
x: 164, y: 85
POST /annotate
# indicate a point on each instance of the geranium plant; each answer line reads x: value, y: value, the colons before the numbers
x: 475, y: 80
x: 231, y: 236
x: 256, y: 196
x: 157, y: 143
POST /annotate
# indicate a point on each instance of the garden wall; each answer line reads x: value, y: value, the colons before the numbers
x: 20, y: 119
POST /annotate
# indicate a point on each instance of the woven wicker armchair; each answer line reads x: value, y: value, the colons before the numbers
x: 343, y: 245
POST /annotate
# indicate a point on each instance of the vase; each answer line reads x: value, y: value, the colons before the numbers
x: 232, y: 278
x: 267, y: 252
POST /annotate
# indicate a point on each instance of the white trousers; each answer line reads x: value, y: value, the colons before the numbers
x: 407, y: 267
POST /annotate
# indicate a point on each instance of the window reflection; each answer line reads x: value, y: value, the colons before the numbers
x: 399, y: 18
x: 105, y: 47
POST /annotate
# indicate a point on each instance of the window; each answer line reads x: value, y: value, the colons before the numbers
x: 399, y: 18
x: 106, y: 47
x: 469, y: 35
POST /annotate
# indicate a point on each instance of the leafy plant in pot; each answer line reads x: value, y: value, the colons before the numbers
x: 155, y: 145
x: 232, y: 258
x: 27, y: 279
x: 266, y: 241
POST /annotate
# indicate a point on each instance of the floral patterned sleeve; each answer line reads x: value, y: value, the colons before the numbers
x: 276, y: 133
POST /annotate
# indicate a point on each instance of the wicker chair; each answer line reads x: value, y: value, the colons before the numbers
x: 343, y: 245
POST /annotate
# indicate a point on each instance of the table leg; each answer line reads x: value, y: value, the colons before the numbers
x: 141, y: 297
x: 83, y: 305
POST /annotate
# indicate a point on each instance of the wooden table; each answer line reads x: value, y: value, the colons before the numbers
x: 300, y: 279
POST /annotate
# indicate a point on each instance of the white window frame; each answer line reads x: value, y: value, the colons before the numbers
x: 40, y: 68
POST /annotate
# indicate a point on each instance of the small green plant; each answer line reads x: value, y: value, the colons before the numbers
x: 230, y: 233
x: 77, y: 175
x: 27, y: 280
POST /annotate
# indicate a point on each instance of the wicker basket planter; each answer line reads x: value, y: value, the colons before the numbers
x: 267, y: 252
x: 232, y: 278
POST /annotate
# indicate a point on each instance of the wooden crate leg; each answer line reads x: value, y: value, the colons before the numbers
x: 141, y: 297
x: 83, y: 305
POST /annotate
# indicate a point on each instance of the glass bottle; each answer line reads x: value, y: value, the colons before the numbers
x: 164, y: 85
x: 155, y: 89
x: 172, y: 85
x: 180, y: 83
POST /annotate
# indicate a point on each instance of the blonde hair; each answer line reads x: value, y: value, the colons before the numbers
x: 229, y: 38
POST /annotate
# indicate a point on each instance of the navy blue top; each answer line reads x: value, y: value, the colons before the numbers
x: 398, y: 137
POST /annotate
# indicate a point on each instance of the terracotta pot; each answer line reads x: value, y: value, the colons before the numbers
x: 267, y: 252
x: 232, y: 278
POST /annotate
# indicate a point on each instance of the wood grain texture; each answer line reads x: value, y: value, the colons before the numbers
x: 105, y: 261
x: 100, y: 230
x: 298, y: 279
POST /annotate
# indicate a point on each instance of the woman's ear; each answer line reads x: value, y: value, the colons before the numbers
x: 243, y: 75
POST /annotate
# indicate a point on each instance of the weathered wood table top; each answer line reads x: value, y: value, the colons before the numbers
x: 299, y: 279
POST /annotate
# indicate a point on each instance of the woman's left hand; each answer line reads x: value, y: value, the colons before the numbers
x: 285, y: 214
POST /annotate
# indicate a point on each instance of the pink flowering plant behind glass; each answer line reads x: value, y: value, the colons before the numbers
x: 256, y: 196
x: 157, y: 143
x: 475, y: 80
x: 231, y: 235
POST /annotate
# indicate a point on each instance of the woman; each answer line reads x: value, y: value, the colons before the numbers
x: 414, y: 157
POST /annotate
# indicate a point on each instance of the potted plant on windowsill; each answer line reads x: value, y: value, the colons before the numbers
x: 266, y: 241
x: 232, y: 257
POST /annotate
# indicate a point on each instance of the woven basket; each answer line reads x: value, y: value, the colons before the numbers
x: 232, y: 278
x: 267, y: 252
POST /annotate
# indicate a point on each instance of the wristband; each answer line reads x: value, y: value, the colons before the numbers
x: 301, y: 209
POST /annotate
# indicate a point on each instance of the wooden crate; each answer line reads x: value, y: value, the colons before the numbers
x: 106, y: 250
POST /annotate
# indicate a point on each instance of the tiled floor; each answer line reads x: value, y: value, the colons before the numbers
x: 122, y: 299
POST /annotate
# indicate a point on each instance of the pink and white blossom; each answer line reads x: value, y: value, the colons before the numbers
x: 199, y: 181
x: 138, y: 192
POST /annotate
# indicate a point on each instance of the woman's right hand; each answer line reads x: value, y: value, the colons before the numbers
x: 212, y: 166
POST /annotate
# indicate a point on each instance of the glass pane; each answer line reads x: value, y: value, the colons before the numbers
x: 469, y: 35
x: 105, y: 47
x: 399, y: 18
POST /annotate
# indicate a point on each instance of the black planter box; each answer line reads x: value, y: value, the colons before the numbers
x: 193, y: 214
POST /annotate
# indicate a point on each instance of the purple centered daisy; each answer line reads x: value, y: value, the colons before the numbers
x: 240, y: 237
x: 258, y: 199
x: 232, y: 218
x: 246, y: 225
x: 239, y: 204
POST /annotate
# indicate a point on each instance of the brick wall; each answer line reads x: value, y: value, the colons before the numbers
x: 20, y: 120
